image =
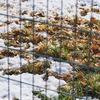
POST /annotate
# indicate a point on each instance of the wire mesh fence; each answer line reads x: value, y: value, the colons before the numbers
x: 49, y: 50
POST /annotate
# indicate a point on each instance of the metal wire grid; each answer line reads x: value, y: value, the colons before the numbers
x: 46, y: 56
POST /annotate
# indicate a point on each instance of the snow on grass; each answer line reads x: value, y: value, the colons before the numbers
x: 52, y: 82
x: 59, y: 67
x: 14, y: 62
x: 2, y: 44
x: 68, y: 9
x: 27, y: 89
x: 65, y: 69
x: 15, y: 87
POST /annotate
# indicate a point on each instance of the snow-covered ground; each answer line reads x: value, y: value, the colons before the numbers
x: 14, y: 87
x: 68, y: 9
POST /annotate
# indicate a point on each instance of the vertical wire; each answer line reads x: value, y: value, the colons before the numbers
x: 89, y: 50
x: 46, y: 47
x: 8, y: 51
x: 60, y: 41
x: 20, y: 50
x: 74, y: 66
x: 33, y: 53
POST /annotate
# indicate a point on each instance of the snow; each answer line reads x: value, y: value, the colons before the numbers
x: 68, y: 9
x: 2, y: 44
x: 44, y: 34
x: 55, y: 82
x: 65, y: 69
x: 5, y: 62
x: 27, y: 89
x: 15, y: 87
x: 5, y: 29
x: 59, y: 67
x: 28, y: 78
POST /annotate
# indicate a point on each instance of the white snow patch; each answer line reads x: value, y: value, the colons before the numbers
x: 14, y: 62
x: 61, y: 67
x: 44, y: 34
x: 26, y: 89
x: 2, y: 44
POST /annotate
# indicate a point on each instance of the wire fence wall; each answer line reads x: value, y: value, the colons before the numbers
x: 80, y: 48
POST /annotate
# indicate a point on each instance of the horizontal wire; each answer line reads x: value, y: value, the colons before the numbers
x: 51, y: 24
x: 49, y: 57
x: 42, y: 87
x: 53, y: 58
